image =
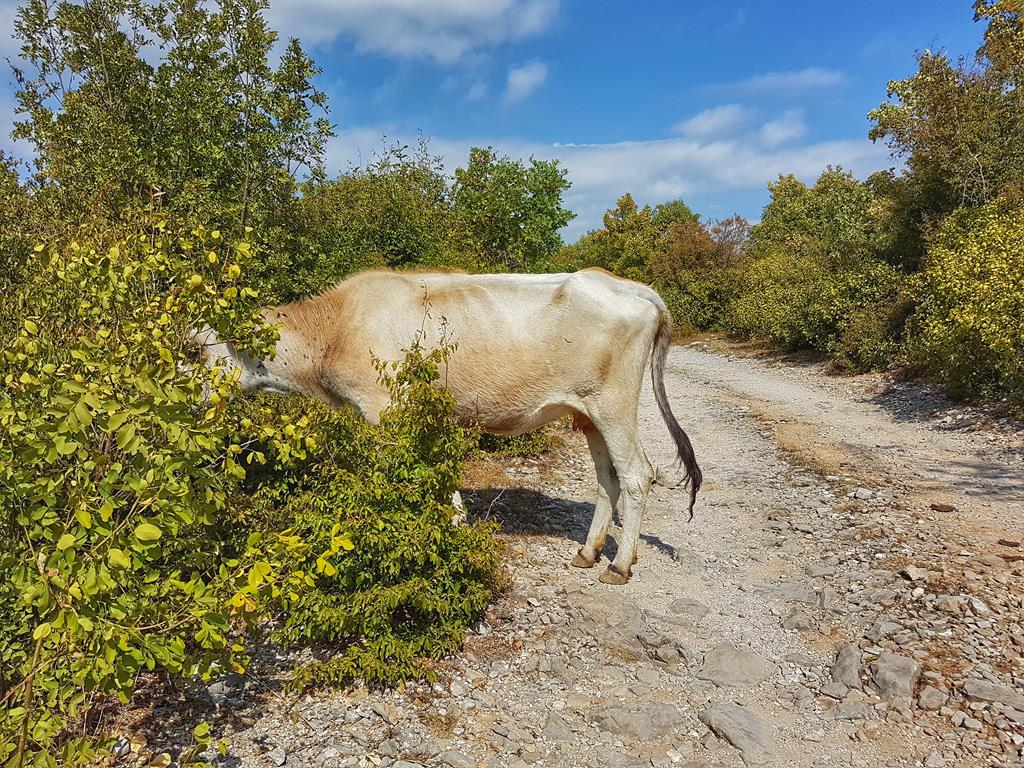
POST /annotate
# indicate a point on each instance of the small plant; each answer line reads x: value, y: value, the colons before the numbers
x: 390, y: 583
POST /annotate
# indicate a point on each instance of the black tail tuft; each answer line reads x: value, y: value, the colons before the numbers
x: 662, y: 340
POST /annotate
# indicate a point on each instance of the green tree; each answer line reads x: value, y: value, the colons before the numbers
x: 830, y: 222
x: 395, y: 212
x: 508, y: 214
x: 212, y: 131
x: 958, y: 126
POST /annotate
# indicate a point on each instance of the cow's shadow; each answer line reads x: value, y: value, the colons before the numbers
x: 528, y: 512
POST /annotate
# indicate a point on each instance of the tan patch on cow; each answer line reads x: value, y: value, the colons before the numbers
x: 604, y: 367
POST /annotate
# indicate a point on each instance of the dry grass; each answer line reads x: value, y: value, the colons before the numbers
x: 802, y: 445
x: 441, y: 726
x: 944, y: 659
x: 894, y: 563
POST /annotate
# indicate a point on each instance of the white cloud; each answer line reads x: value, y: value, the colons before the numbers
x: 524, y: 80
x: 653, y: 171
x: 789, y: 127
x: 444, y: 30
x: 811, y: 77
x: 710, y: 122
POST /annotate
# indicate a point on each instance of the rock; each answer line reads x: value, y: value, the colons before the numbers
x: 934, y: 760
x: 731, y: 666
x: 797, y: 619
x: 835, y: 690
x: 853, y: 707
x: 556, y: 728
x: 882, y: 629
x: 612, y: 620
x: 817, y: 570
x: 643, y: 721
x: 846, y: 669
x: 994, y: 693
x: 457, y: 760
x: 943, y: 508
x: 931, y: 699
x: 862, y: 493
x: 748, y: 732
x: 972, y: 724
x: 913, y: 573
x: 277, y: 756
x: 894, y: 676
x: 667, y: 654
x: 978, y: 606
x: 684, y: 606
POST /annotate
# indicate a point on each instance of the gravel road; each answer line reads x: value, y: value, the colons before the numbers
x: 848, y: 594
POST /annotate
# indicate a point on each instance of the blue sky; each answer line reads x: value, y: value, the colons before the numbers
x: 704, y: 101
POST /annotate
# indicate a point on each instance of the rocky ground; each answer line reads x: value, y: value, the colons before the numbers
x: 848, y: 594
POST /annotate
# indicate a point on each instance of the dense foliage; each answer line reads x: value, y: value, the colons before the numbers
x: 970, y: 322
x: 115, y: 471
x: 395, y: 581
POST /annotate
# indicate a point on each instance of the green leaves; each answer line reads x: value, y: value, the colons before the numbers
x: 117, y: 483
x: 147, y: 532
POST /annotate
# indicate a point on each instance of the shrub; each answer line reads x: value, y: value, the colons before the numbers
x: 970, y: 325
x: 853, y: 314
x: 413, y: 581
x: 774, y: 303
x: 699, y: 301
x: 113, y: 472
x: 534, y: 443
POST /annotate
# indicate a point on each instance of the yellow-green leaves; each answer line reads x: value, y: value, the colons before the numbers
x: 147, y: 532
x: 117, y: 558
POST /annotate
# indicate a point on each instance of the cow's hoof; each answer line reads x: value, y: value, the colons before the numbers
x: 582, y: 561
x: 611, y: 576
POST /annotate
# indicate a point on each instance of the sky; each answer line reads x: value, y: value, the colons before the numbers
x: 664, y: 99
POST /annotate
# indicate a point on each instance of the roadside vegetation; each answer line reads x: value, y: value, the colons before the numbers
x: 155, y: 523
x: 920, y: 269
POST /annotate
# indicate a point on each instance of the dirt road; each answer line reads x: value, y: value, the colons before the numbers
x: 816, y: 612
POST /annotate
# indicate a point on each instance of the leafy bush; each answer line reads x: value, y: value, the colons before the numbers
x: 534, y: 443
x: 413, y: 581
x: 970, y: 325
x: 778, y: 291
x: 854, y: 314
x: 700, y: 300
x: 113, y: 472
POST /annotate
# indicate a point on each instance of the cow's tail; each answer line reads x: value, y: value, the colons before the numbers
x: 662, y: 341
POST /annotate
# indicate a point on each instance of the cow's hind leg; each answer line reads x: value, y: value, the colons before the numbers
x: 635, y: 476
x: 607, y: 498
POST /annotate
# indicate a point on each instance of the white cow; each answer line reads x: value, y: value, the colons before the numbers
x: 529, y: 349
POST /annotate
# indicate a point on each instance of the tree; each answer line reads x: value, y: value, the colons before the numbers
x: 396, y: 212
x: 830, y: 221
x: 672, y: 212
x: 508, y: 214
x: 959, y: 126
x: 212, y: 131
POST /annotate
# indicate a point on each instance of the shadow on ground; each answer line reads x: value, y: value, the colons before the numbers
x: 527, y: 512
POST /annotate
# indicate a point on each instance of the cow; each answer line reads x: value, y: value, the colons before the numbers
x: 529, y: 349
